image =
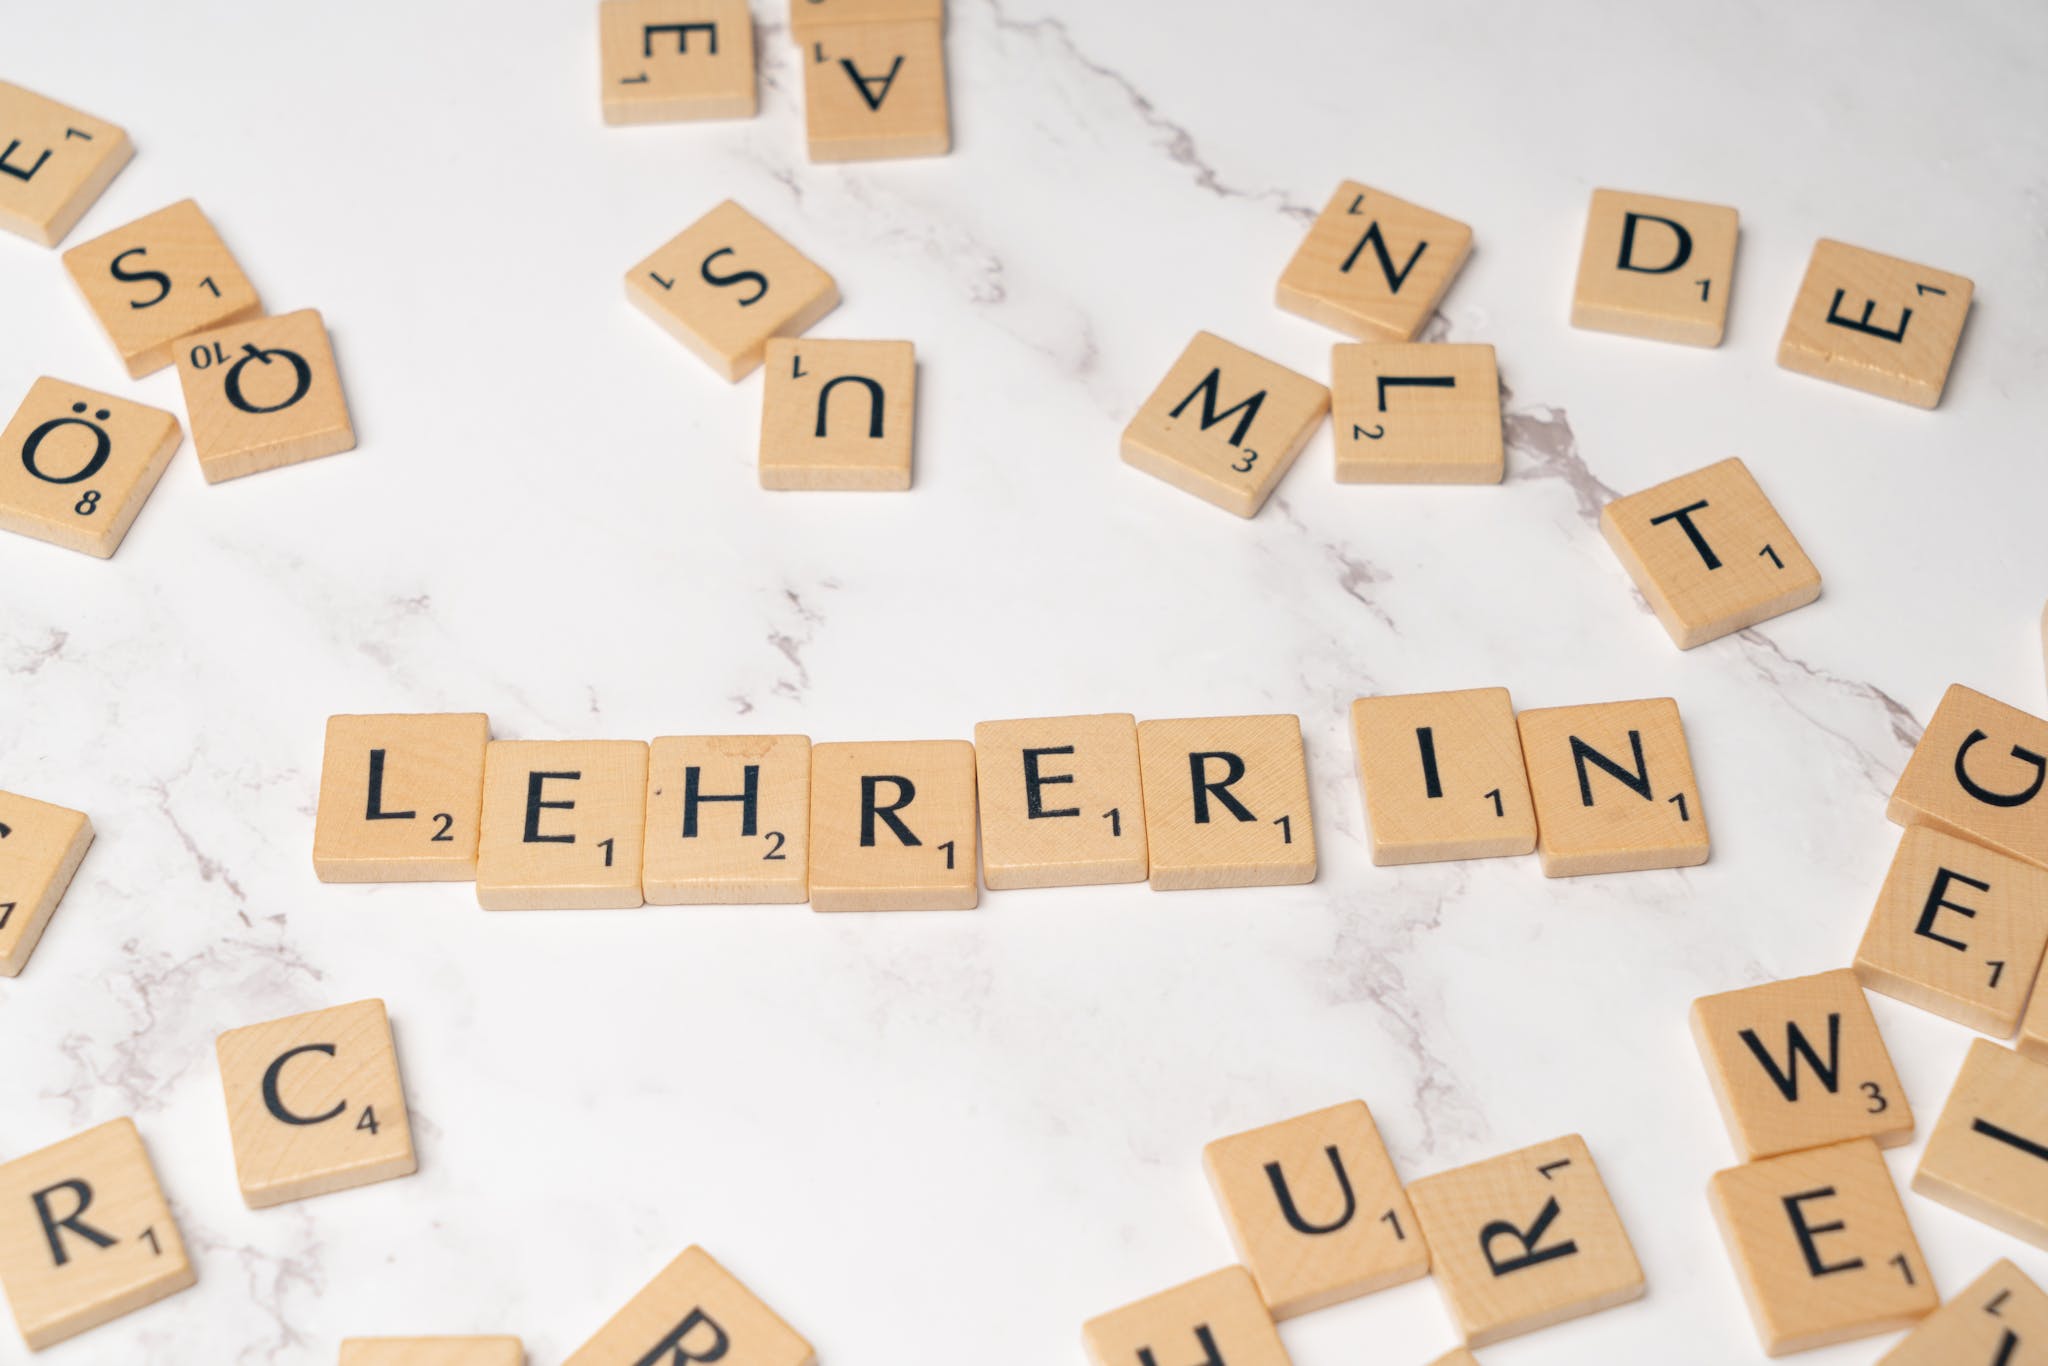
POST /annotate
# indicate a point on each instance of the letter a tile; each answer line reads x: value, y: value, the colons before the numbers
x: 1958, y: 930
x: 1710, y: 553
x: 262, y: 395
x: 726, y: 284
x: 1876, y: 323
x: 669, y: 61
x: 838, y: 415
x: 1373, y: 266
x: 41, y: 846
x: 1316, y: 1209
x: 157, y: 280
x: 1657, y: 268
x: 893, y: 827
x: 563, y: 825
x: 86, y: 1235
x: 1225, y: 424
x: 1220, y: 1315
x: 1525, y: 1240
x: 2000, y: 1312
x: 1443, y: 776
x: 490, y: 1351
x: 77, y: 465
x: 54, y: 163
x: 1988, y: 1154
x: 873, y: 91
x: 1613, y: 787
x: 1226, y: 802
x: 1822, y: 1247
x: 400, y: 797
x: 695, y: 1310
x: 1800, y: 1064
x: 1979, y: 773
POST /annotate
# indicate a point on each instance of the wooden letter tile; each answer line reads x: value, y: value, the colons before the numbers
x: 1613, y: 787
x: 41, y: 847
x: 1988, y: 1154
x: 1373, y: 266
x: 1225, y: 424
x: 726, y: 284
x: 1875, y: 323
x: 695, y: 1310
x: 1062, y: 804
x: 490, y: 1351
x: 1443, y: 776
x: 1655, y: 267
x: 76, y: 465
x: 157, y: 280
x: 669, y: 61
x: 2001, y: 1312
x: 2033, y: 1040
x: 1525, y: 1240
x: 1219, y: 1314
x: 1799, y: 1064
x: 728, y: 820
x: 1316, y: 1210
x: 893, y: 827
x: 1710, y: 553
x: 262, y: 395
x: 562, y: 827
x: 1979, y: 772
x: 54, y: 162
x: 315, y: 1104
x: 1460, y: 1357
x: 86, y: 1235
x: 807, y: 17
x: 876, y: 90
x: 838, y: 415
x: 1958, y: 930
x: 1822, y: 1247
x: 1226, y: 802
x: 1414, y: 413
x: 400, y: 797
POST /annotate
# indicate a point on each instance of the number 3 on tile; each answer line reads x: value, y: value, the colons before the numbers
x: 1244, y: 466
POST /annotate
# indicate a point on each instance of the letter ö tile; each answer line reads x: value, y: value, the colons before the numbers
x: 695, y: 1310
x: 158, y: 280
x: 726, y: 284
x: 77, y: 465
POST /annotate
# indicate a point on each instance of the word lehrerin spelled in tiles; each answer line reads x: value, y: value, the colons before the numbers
x: 1186, y: 804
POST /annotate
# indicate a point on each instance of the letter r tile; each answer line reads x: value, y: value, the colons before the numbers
x: 695, y: 1310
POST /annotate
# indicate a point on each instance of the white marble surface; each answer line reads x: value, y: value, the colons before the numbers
x: 934, y: 1138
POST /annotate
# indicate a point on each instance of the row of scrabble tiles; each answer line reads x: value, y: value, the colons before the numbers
x: 874, y: 71
x: 1044, y: 802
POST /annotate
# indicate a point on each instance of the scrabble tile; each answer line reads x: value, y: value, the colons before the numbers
x: 159, y: 280
x: 1799, y: 1064
x: 2033, y: 1040
x: 1525, y: 1240
x: 726, y: 284
x: 1442, y: 775
x: 1710, y: 553
x: 41, y: 847
x: 1062, y: 804
x: 1316, y: 1210
x: 873, y: 91
x: 1988, y: 1323
x: 1218, y: 1314
x: 1822, y: 1247
x: 1415, y: 413
x: 1373, y: 266
x: 54, y: 163
x: 728, y: 820
x: 563, y: 822
x: 838, y: 414
x: 893, y: 827
x: 86, y: 1235
x: 1656, y: 267
x: 1225, y: 424
x: 315, y: 1104
x: 1226, y: 802
x: 670, y: 61
x: 1875, y: 323
x: 695, y: 1310
x: 1613, y: 787
x: 400, y: 798
x: 807, y: 17
x: 77, y: 465
x: 1958, y: 930
x: 1460, y: 1357
x: 1978, y: 773
x: 488, y: 1351
x: 262, y: 395
x: 1988, y: 1154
